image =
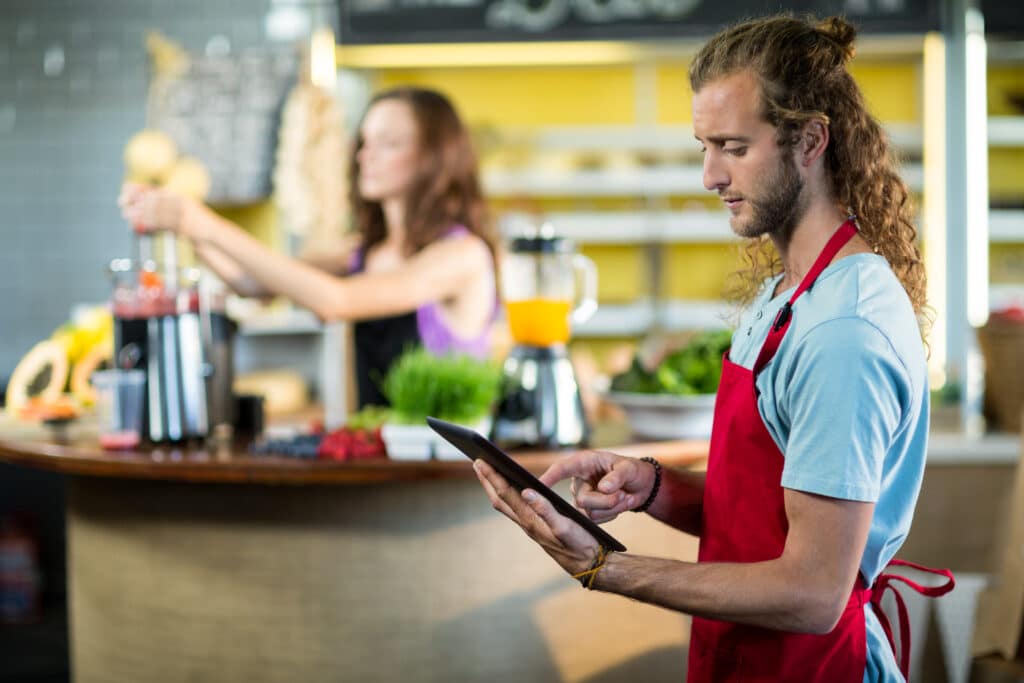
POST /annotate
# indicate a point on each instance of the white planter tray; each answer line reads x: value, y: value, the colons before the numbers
x: 420, y: 442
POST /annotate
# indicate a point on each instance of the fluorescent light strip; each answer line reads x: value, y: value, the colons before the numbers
x: 934, y: 204
x: 977, y: 170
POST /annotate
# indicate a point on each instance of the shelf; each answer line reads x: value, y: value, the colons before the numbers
x: 629, y: 227
x: 694, y: 226
x: 618, y: 320
x: 290, y: 321
x: 586, y: 227
x: 1006, y: 225
x: 654, y: 139
x: 660, y: 181
x: 263, y: 326
x: 658, y: 140
x: 639, y: 318
x: 1006, y: 131
x: 695, y: 315
x: 1005, y: 295
x: 638, y: 227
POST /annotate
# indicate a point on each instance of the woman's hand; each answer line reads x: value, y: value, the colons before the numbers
x: 149, y: 209
x: 569, y: 544
x: 604, y: 484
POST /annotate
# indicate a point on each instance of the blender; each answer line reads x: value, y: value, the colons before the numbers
x: 547, y: 286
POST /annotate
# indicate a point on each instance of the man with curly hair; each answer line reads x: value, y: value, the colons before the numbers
x: 821, y: 419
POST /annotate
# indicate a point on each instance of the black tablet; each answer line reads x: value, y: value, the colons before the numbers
x: 475, y: 446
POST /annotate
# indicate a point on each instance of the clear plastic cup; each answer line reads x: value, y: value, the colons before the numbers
x: 119, y: 398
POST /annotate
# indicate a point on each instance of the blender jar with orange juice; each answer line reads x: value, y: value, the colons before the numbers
x: 547, y: 287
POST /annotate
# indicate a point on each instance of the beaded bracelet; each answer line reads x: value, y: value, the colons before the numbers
x: 657, y: 484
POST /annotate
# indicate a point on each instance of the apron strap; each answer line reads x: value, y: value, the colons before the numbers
x: 885, y: 582
x: 842, y: 235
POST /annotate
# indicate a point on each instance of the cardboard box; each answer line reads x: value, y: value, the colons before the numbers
x: 995, y: 669
x: 999, y: 622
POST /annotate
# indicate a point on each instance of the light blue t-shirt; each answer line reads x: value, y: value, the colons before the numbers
x: 846, y: 400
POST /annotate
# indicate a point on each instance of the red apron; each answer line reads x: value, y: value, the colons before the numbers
x: 744, y: 520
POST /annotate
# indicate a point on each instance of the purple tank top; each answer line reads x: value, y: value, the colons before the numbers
x: 434, y: 333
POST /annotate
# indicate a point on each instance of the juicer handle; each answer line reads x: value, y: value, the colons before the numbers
x: 586, y: 300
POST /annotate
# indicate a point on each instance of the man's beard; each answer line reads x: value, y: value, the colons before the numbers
x: 782, y: 206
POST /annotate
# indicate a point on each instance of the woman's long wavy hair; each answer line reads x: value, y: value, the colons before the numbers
x: 801, y: 67
x: 446, y: 189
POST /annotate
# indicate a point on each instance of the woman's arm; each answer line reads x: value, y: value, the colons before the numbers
x: 337, y: 261
x: 437, y: 273
x: 228, y: 270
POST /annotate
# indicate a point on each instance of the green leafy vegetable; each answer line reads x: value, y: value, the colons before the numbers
x: 457, y: 388
x: 368, y: 418
x: 693, y: 369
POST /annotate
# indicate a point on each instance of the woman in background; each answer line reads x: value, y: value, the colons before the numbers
x: 420, y: 268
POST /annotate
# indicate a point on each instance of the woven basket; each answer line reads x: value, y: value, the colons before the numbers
x: 1002, y: 346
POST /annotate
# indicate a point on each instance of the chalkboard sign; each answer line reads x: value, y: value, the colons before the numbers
x: 1003, y: 18
x: 225, y: 111
x: 365, y: 22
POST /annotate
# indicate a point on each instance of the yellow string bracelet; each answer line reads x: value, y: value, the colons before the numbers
x: 587, y: 577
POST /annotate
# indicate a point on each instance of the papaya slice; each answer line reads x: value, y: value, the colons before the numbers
x: 62, y: 409
x: 49, y: 355
x: 90, y: 362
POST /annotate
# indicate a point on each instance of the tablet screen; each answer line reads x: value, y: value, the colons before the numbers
x: 475, y: 446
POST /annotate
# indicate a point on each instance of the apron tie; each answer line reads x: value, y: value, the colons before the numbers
x: 885, y: 582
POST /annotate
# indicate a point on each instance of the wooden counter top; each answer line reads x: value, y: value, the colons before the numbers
x: 81, y: 455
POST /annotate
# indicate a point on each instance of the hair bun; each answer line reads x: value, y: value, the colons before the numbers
x: 841, y: 32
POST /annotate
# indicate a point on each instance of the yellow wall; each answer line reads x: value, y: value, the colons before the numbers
x: 1006, y: 263
x: 622, y: 272
x: 259, y: 219
x: 1006, y: 174
x: 606, y: 95
x: 530, y: 96
x: 674, y: 94
x: 697, y: 271
x: 1006, y: 164
x: 1004, y: 81
x: 892, y: 90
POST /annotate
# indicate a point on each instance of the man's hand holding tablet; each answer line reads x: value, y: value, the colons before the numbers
x: 571, y: 538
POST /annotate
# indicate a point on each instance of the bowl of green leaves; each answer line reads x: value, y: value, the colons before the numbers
x: 455, y: 388
x: 675, y: 399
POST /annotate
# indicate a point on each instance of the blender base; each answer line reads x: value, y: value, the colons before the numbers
x: 540, y: 404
